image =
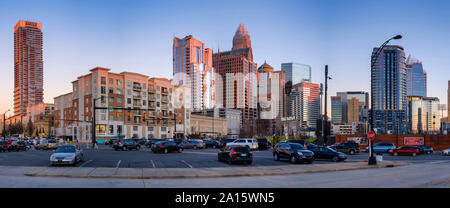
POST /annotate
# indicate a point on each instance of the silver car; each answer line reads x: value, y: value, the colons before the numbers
x: 446, y: 152
x: 67, y: 154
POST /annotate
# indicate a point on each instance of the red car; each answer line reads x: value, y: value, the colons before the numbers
x: 405, y: 150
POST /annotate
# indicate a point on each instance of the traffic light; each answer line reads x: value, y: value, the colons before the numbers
x: 117, y: 115
x: 145, y: 116
x: 131, y: 114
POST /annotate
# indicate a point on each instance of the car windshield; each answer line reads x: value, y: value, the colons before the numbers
x: 50, y: 141
x: 329, y: 149
x: 298, y: 146
x: 65, y: 149
x: 241, y: 149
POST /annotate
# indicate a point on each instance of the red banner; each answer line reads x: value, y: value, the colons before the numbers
x: 413, y: 141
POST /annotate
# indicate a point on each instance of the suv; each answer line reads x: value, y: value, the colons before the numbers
x: 250, y: 143
x: 264, y: 144
x: 293, y: 151
x: 126, y: 144
x: 152, y: 141
x: 17, y: 146
x: 350, y: 148
x: 166, y: 147
x: 3, y: 146
x: 232, y: 154
x: 382, y: 147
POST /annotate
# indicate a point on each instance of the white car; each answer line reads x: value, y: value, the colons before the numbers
x: 251, y: 143
x: 446, y: 152
x: 67, y: 154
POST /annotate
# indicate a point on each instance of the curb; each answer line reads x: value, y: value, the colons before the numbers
x: 215, y: 173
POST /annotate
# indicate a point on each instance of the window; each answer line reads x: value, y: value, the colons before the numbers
x: 119, y: 129
x: 119, y: 100
x: 119, y: 83
x: 103, y: 80
x: 111, y: 117
x: 129, y: 100
x: 111, y: 129
x: 129, y: 92
x: 111, y: 81
x: 111, y: 90
x: 111, y: 100
x: 129, y: 84
x: 150, y: 128
x: 119, y: 91
x: 135, y: 128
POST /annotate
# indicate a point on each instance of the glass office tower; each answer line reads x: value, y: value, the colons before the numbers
x: 296, y: 73
x: 416, y: 78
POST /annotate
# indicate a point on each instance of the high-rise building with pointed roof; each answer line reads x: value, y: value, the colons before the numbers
x: 416, y: 78
x: 237, y: 87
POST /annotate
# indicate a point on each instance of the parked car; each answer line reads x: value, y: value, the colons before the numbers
x: 250, y: 143
x: 17, y: 146
x: 211, y: 144
x: 350, y: 148
x: 446, y: 152
x: 264, y: 144
x: 3, y: 146
x: 67, y: 154
x: 126, y: 144
x: 232, y: 154
x: 152, y: 141
x: 425, y: 149
x: 293, y: 151
x: 382, y: 147
x: 192, y: 144
x: 327, y: 153
x: 46, y: 144
x: 142, y: 141
x: 223, y: 142
x: 52, y: 144
x: 405, y: 150
x: 166, y: 147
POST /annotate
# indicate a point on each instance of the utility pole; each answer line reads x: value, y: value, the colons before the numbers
x: 325, y: 116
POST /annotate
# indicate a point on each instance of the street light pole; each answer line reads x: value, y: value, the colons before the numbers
x: 374, y: 58
x: 4, y: 123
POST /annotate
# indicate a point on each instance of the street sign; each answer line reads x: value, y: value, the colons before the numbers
x: 371, y: 135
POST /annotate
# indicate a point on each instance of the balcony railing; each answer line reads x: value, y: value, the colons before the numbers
x: 137, y: 87
x: 165, y: 107
x: 166, y: 100
x: 152, y: 98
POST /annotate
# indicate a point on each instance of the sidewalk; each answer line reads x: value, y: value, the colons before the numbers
x: 159, y: 173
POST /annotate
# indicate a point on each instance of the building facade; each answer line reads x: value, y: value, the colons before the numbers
x: 270, y: 92
x: 135, y: 106
x: 41, y: 116
x: 363, y: 99
x: 192, y: 67
x: 305, y: 104
x: 416, y: 78
x: 353, y: 110
x: 296, y: 73
x: 208, y: 126
x: 28, y: 66
x: 233, y: 117
x: 389, y: 90
x: 236, y: 83
x: 336, y: 109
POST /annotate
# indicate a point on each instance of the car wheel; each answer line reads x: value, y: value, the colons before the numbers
x: 335, y: 158
x: 214, y: 146
x: 395, y: 154
x: 352, y: 152
x: 180, y: 150
x: 165, y: 151
x: 276, y: 157
x: 230, y: 161
x: 138, y: 147
x: 195, y: 147
x: 293, y: 160
x: 124, y: 148
x: 413, y: 154
x: 249, y: 162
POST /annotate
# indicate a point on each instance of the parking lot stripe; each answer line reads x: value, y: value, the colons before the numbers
x: 201, y: 153
x: 85, y: 163
x: 153, y: 164
x: 118, y: 163
x: 441, y: 161
x: 190, y: 166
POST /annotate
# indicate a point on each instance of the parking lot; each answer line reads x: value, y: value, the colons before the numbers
x: 106, y: 156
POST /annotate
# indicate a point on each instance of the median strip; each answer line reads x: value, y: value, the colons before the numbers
x: 232, y: 171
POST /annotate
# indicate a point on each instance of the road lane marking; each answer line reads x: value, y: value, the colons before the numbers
x: 437, y: 162
x: 190, y: 166
x: 153, y: 164
x: 118, y: 163
x: 85, y: 163
x: 200, y: 153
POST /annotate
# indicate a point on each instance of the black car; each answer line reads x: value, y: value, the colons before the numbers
x: 152, y: 141
x: 4, y: 146
x: 111, y: 141
x: 231, y: 154
x: 425, y: 149
x: 350, y: 148
x: 211, y: 144
x: 179, y: 141
x: 293, y: 151
x: 264, y: 144
x: 126, y: 144
x: 327, y: 153
x: 17, y: 146
x: 224, y: 142
x: 166, y: 147
x: 142, y: 142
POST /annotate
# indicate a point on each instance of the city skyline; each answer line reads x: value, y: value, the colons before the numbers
x: 74, y: 43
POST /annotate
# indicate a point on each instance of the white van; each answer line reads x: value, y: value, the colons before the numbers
x: 251, y: 143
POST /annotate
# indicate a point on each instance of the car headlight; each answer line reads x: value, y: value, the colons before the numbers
x: 299, y: 153
x: 70, y: 158
x: 52, y: 157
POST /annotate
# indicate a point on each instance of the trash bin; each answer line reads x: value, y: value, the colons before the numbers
x: 379, y: 157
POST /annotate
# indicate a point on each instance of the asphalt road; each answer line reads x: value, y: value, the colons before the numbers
x: 106, y: 156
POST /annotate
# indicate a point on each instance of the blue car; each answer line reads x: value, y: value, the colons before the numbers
x: 382, y: 147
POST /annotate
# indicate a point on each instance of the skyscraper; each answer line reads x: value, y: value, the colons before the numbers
x: 270, y: 92
x: 305, y: 104
x: 363, y: 102
x: 236, y: 87
x: 28, y: 66
x: 296, y: 73
x: 416, y: 78
x: 192, y: 67
x: 336, y: 109
x: 353, y: 110
x: 388, y: 86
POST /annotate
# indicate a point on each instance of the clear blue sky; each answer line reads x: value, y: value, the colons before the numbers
x: 137, y: 36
